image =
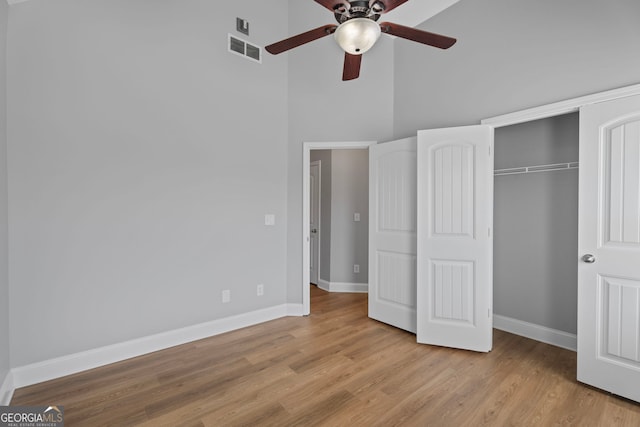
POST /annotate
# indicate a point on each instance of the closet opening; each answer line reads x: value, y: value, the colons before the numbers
x: 536, y: 229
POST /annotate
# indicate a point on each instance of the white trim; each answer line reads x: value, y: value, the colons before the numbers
x: 324, y: 285
x: 6, y: 390
x: 78, y: 362
x: 536, y: 332
x: 306, y: 162
x: 10, y: 2
x: 360, y: 288
x: 558, y: 108
x: 295, y: 310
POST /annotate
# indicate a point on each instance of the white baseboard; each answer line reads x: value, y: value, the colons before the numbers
x: 536, y: 332
x: 6, y: 389
x: 362, y: 288
x: 66, y: 365
x: 295, y: 310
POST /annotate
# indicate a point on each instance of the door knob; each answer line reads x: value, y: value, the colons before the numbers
x: 588, y: 258
x: 314, y: 231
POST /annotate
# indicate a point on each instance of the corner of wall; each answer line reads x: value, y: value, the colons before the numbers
x: 5, y: 374
x: 6, y: 389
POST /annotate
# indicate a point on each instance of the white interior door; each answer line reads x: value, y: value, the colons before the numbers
x: 392, y: 233
x: 314, y: 222
x: 609, y: 244
x: 455, y: 242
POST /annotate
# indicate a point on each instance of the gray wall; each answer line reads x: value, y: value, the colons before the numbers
x: 142, y: 160
x: 511, y: 55
x: 349, y: 194
x: 324, y: 108
x: 4, y: 279
x: 536, y: 224
x: 135, y: 180
x: 344, y: 191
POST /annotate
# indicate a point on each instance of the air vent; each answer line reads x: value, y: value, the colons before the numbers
x: 244, y: 48
x: 253, y: 52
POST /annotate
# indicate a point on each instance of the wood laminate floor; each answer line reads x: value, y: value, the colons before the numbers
x: 335, y: 368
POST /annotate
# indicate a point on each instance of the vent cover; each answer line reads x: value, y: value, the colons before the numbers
x: 245, y: 49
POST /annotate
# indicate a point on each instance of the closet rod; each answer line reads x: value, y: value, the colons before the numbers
x: 537, y: 168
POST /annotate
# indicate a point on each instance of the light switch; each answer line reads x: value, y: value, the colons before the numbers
x: 269, y: 219
x: 356, y: 217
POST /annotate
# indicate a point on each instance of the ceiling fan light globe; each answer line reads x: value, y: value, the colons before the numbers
x: 357, y: 35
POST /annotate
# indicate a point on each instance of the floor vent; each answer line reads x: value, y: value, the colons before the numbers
x: 244, y: 48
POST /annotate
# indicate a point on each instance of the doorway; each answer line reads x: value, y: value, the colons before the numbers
x: 536, y: 229
x: 306, y: 214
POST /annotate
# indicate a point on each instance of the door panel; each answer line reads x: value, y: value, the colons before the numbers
x: 609, y: 231
x: 621, y: 182
x: 392, y: 233
x: 452, y: 174
x: 455, y: 245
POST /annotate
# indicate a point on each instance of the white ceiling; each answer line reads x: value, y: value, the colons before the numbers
x: 411, y: 13
x: 416, y: 12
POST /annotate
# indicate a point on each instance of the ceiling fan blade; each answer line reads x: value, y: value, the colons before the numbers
x: 351, y: 69
x: 300, y: 39
x: 424, y: 37
x: 331, y: 4
x: 389, y: 5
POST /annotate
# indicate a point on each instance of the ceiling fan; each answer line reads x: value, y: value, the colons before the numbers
x: 358, y: 30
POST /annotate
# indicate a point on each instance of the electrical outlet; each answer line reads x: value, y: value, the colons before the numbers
x: 260, y: 290
x: 226, y: 296
x: 356, y: 217
x: 269, y: 219
x: 356, y: 268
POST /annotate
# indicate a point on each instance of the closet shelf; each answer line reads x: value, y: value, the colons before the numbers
x: 537, y: 168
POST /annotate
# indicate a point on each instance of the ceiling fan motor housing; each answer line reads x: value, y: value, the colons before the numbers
x: 358, y: 9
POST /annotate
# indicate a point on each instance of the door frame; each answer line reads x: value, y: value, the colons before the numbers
x: 559, y: 108
x: 306, y: 198
x: 542, y: 112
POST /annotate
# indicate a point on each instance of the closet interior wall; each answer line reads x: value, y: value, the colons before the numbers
x: 536, y: 223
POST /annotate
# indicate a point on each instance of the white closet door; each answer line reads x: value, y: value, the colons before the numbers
x: 609, y: 244
x: 455, y: 243
x: 392, y: 233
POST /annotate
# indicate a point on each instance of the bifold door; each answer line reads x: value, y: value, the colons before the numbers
x: 392, y: 233
x: 430, y: 243
x: 609, y: 246
x: 455, y: 242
